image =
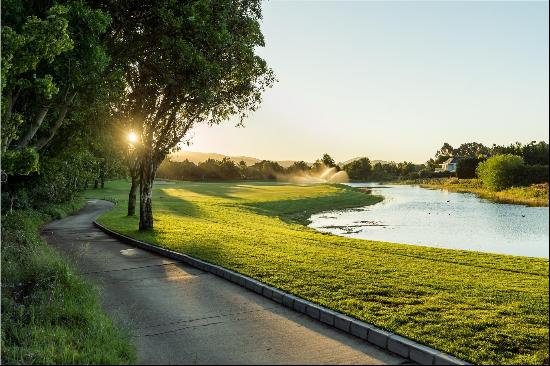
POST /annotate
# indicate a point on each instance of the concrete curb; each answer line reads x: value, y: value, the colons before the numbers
x: 386, y: 340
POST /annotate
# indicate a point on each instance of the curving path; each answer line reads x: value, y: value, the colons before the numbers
x: 179, y: 314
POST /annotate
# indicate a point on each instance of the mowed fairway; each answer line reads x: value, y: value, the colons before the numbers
x: 483, y: 308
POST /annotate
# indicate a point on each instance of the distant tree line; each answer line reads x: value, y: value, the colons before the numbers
x: 226, y: 169
x: 500, y: 166
x: 533, y: 156
x: 534, y: 167
x: 533, y: 153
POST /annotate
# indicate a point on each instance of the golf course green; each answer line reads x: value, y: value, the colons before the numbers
x: 484, y: 308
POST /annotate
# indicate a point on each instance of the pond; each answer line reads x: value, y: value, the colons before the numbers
x: 436, y: 218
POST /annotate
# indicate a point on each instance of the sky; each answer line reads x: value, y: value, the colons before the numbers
x: 394, y: 80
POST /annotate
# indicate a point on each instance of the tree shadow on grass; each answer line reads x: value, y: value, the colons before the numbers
x: 221, y: 190
x: 300, y: 210
x: 176, y: 205
x: 228, y: 189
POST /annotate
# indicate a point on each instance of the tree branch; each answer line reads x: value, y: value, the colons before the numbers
x: 42, y: 142
x: 35, y: 125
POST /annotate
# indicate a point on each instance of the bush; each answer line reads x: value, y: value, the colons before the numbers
x: 21, y: 162
x: 534, y: 174
x: 466, y: 168
x: 444, y: 174
x: 501, y: 171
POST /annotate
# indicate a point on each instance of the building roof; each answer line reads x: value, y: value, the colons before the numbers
x: 453, y: 160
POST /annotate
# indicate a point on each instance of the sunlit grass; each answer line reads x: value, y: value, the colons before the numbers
x: 480, y: 307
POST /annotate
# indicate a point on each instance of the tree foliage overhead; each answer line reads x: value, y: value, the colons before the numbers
x: 58, y: 82
x: 53, y: 57
x: 186, y: 62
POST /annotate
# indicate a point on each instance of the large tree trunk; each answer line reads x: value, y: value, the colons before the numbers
x: 60, y: 118
x: 147, y: 176
x: 132, y: 196
x: 35, y: 125
x: 102, y: 175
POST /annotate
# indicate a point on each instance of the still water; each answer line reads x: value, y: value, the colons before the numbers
x: 436, y: 218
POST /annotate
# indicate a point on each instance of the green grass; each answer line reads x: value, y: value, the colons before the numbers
x: 49, y: 314
x: 480, y: 307
x: 534, y: 195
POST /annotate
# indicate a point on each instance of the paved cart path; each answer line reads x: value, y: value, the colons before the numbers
x: 180, y: 314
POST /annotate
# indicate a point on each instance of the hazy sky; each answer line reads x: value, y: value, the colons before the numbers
x: 394, y: 80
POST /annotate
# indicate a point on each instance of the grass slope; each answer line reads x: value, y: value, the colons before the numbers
x: 480, y: 307
x: 50, y: 315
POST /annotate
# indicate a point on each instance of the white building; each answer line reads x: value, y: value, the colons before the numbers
x: 448, y: 165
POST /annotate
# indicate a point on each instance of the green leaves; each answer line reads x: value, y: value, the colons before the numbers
x: 359, y: 169
x: 39, y: 40
x: 21, y: 162
x: 45, y: 87
x: 500, y: 172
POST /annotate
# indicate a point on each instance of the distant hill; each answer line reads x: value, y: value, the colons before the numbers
x: 199, y: 157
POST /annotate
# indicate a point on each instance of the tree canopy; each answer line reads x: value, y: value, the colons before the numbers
x: 184, y: 63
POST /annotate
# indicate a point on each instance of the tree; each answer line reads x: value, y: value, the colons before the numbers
x: 466, y: 167
x: 228, y: 169
x: 514, y: 149
x: 431, y: 165
x: 27, y: 41
x: 328, y: 161
x: 359, y: 169
x: 405, y: 168
x: 268, y: 169
x: 55, y: 94
x: 51, y: 55
x: 317, y: 166
x: 473, y: 150
x: 379, y: 173
x: 185, y: 63
x: 243, y: 168
x: 132, y: 163
x: 297, y: 167
x: 444, y: 153
x: 536, y: 153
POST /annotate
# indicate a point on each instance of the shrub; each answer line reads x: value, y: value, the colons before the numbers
x: 501, y: 171
x: 534, y: 174
x: 466, y: 168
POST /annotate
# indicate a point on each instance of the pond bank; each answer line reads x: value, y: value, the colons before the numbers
x: 535, y: 195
